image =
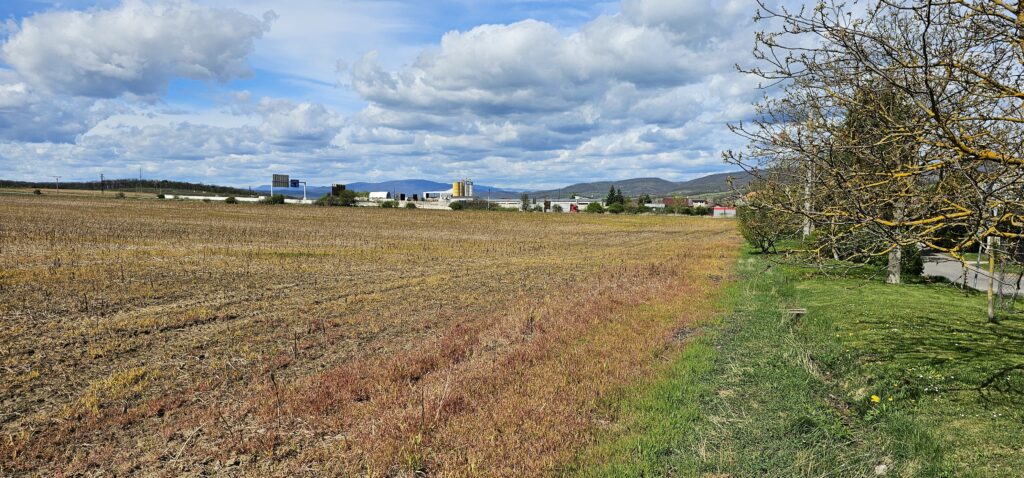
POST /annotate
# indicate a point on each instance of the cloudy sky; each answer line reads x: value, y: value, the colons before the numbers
x: 515, y: 93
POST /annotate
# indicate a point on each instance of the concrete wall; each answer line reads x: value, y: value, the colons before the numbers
x: 224, y: 198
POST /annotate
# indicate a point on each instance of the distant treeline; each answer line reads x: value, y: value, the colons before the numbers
x: 128, y: 184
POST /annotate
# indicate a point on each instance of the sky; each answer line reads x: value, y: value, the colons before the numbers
x: 513, y: 93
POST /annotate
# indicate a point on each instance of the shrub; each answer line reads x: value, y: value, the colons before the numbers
x: 37, y: 192
x: 594, y: 208
x: 763, y: 228
x: 160, y: 196
x: 700, y: 211
x: 616, y: 208
x: 231, y: 200
x: 275, y: 199
x: 119, y: 195
x: 557, y: 208
x: 345, y: 198
x: 537, y: 208
x: 477, y: 205
x: 389, y: 204
x: 410, y: 205
x: 911, y: 262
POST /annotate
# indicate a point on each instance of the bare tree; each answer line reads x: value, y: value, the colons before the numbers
x: 937, y: 154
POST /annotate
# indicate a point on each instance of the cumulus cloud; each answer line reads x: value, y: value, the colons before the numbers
x: 135, y: 48
x: 26, y: 115
x: 642, y: 92
x: 621, y: 87
x: 305, y: 123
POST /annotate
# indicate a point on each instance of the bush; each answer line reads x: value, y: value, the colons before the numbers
x: 346, y: 198
x: 275, y: 199
x: 911, y: 262
x: 764, y: 228
x: 537, y: 208
x: 478, y: 205
x: 557, y: 208
x: 389, y: 204
x: 231, y: 200
x: 119, y: 195
x: 161, y: 196
x: 700, y: 211
x: 37, y: 192
x: 616, y: 208
x: 410, y: 205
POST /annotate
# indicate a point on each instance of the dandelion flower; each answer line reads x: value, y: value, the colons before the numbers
x: 875, y: 399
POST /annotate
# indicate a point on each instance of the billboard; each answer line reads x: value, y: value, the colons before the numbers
x: 280, y: 181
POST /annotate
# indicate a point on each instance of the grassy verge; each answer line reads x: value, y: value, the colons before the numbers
x: 901, y: 381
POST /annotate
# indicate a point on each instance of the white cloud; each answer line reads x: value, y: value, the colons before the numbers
x: 136, y: 48
x: 642, y: 92
x: 305, y: 123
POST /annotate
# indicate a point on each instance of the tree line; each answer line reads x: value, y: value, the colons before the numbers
x: 890, y: 126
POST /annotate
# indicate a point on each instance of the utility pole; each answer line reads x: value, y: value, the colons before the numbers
x: 102, y: 188
x: 57, y: 178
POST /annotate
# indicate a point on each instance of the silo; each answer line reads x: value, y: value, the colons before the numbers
x: 457, y: 189
x: 467, y: 188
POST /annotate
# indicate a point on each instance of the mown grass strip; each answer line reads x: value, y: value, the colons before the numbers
x: 874, y: 380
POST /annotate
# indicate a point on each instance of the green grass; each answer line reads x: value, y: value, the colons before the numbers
x: 759, y: 393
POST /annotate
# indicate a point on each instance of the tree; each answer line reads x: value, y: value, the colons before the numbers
x: 524, y: 200
x: 955, y: 63
x: 612, y: 196
x: 616, y: 208
x: 762, y: 225
x: 594, y: 208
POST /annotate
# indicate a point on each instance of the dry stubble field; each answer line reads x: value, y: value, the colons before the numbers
x: 145, y: 337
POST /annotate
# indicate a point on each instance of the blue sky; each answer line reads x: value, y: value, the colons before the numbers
x: 513, y: 93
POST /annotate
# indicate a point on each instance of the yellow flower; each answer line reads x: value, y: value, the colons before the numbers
x: 875, y: 399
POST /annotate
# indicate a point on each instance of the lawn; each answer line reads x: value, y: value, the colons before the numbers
x: 903, y: 380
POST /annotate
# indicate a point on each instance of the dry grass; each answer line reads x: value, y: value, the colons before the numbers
x: 170, y: 338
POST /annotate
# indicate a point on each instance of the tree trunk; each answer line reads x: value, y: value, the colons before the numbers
x: 895, y: 266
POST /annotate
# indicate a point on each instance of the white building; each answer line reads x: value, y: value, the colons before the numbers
x: 723, y: 211
x: 380, y: 196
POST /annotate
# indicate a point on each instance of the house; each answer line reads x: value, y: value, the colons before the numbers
x: 686, y: 202
x: 380, y: 196
x: 723, y: 211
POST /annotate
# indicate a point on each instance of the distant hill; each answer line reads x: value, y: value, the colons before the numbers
x: 144, y: 185
x: 715, y: 183
x: 405, y: 186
